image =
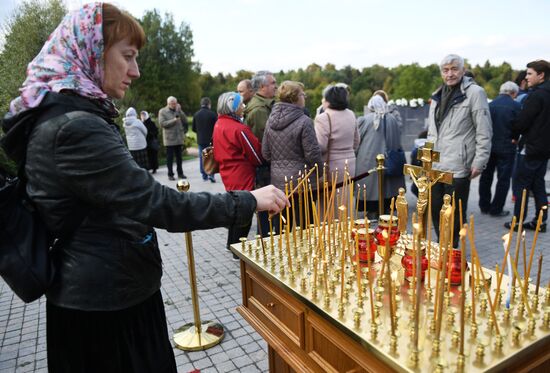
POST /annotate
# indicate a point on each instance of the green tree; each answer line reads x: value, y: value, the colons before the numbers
x: 412, y: 81
x: 25, y: 32
x: 166, y: 65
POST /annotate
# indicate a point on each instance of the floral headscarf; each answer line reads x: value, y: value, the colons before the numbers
x: 378, y: 106
x: 71, y: 59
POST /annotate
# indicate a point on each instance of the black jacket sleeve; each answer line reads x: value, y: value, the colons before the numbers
x: 93, y: 163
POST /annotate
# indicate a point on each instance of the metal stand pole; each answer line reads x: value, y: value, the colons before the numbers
x: 199, y: 335
x: 380, y: 169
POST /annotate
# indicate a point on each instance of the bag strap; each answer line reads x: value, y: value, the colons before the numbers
x: 329, y: 136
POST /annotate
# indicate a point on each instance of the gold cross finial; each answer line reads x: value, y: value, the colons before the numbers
x: 427, y: 156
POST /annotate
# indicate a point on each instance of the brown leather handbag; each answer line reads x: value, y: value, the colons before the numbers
x: 209, y: 164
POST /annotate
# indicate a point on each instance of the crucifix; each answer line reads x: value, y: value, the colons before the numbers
x: 424, y: 178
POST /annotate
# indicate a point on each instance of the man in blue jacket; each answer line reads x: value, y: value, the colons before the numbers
x: 504, y: 110
x: 533, y: 125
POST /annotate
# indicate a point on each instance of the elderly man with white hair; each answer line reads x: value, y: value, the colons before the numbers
x: 173, y: 123
x: 504, y: 110
x: 459, y: 125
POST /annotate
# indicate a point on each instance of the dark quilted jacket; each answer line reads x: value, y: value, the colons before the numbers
x: 289, y: 143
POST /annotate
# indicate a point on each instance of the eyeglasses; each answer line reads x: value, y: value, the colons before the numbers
x: 303, y: 95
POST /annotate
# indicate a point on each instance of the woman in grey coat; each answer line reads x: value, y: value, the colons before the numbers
x: 289, y: 141
x: 378, y: 131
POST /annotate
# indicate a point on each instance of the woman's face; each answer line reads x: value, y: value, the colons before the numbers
x: 120, y: 69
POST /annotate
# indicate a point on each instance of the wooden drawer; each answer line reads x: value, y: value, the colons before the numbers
x: 336, y: 352
x: 274, y: 307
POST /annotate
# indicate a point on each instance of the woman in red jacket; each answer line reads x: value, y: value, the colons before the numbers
x: 237, y: 151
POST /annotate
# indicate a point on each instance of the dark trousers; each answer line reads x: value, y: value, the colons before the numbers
x: 171, y: 151
x: 503, y: 164
x: 237, y: 232
x: 204, y: 174
x: 263, y: 178
x: 152, y: 155
x: 529, y: 174
x: 461, y: 188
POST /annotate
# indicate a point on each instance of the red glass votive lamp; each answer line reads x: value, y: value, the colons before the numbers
x: 455, y: 259
x: 393, y: 235
x: 367, y: 246
x: 408, y: 264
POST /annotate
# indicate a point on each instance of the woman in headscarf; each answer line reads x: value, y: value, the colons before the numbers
x: 237, y: 151
x: 136, y: 135
x: 104, y: 307
x: 379, y: 132
x: 153, y: 144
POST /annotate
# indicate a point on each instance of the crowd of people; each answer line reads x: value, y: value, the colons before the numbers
x: 108, y: 266
x: 475, y: 137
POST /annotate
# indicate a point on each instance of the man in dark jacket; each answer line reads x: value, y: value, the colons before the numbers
x: 533, y: 125
x: 504, y: 110
x: 203, y: 125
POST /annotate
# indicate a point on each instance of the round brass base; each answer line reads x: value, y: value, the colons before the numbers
x: 188, y: 338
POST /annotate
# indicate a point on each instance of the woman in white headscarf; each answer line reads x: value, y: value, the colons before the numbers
x: 136, y: 134
x: 379, y: 132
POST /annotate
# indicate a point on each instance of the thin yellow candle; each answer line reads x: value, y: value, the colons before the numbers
x: 307, y: 175
x: 287, y: 230
x: 523, y: 292
x: 270, y: 220
x: 315, y: 216
x: 472, y: 282
x: 318, y: 189
x: 418, y: 283
x: 280, y: 234
x: 535, y: 237
x: 370, y: 279
x: 358, y: 267
x: 440, y: 292
x: 325, y: 193
x: 463, y: 293
x: 450, y: 243
x: 342, y: 210
x: 357, y: 200
x: 475, y: 259
x: 429, y: 235
x: 538, y: 275
x: 520, y: 229
x: 365, y: 205
x: 506, y: 252
x: 300, y: 213
x: 306, y: 212
x: 293, y: 216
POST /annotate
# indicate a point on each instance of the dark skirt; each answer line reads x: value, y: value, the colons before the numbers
x: 130, y: 340
x: 153, y: 158
x: 140, y: 156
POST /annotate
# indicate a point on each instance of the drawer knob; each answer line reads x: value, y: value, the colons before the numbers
x: 270, y: 305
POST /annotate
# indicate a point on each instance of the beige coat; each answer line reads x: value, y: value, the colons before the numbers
x: 344, y: 139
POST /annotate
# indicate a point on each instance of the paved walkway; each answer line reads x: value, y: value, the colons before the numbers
x: 22, y: 326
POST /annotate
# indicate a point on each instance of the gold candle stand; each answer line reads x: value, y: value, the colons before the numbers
x: 198, y: 335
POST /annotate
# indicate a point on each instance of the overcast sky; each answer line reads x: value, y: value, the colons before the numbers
x: 289, y: 34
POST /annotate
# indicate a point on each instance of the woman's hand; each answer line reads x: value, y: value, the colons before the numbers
x: 270, y: 199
